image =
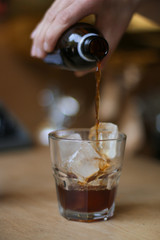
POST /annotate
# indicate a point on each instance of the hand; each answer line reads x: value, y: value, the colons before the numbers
x: 112, y: 18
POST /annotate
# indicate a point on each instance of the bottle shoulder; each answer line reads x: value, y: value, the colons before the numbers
x: 74, y: 34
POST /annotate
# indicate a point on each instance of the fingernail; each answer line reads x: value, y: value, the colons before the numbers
x: 33, y: 51
x: 39, y: 52
x: 46, y: 47
x: 33, y: 34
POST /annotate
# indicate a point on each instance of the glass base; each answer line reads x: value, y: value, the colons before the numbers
x: 88, y: 217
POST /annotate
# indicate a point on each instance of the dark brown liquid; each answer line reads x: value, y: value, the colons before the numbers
x: 92, y: 199
x: 98, y: 78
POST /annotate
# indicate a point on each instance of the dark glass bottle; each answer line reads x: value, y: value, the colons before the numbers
x: 79, y: 48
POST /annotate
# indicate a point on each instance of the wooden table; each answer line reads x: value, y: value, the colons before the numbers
x: 28, y: 204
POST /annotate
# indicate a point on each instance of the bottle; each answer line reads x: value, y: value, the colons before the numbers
x: 79, y: 48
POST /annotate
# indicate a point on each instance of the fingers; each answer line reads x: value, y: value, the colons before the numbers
x: 50, y: 15
x: 64, y: 20
x: 39, y: 33
x: 61, y: 15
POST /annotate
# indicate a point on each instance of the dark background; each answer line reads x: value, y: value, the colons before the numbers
x: 130, y: 83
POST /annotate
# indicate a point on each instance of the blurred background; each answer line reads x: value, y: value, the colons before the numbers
x: 36, y: 98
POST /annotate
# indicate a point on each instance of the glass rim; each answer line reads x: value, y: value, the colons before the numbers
x: 52, y: 135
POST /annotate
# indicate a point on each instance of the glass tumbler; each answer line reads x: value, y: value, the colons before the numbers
x: 86, y: 173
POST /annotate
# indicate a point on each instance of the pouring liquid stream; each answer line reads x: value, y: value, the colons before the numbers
x: 97, y: 98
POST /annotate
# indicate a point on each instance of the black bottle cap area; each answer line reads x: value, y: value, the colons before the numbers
x: 95, y: 47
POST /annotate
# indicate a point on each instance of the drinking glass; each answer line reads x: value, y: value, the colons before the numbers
x: 86, y: 178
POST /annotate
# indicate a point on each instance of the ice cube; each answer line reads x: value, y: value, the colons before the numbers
x: 114, y: 165
x: 85, y: 164
x: 108, y: 132
x: 68, y: 149
x: 113, y: 179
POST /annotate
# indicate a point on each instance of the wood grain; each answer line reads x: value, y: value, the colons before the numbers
x: 28, y: 204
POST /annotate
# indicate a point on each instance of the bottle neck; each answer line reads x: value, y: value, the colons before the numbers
x: 92, y: 47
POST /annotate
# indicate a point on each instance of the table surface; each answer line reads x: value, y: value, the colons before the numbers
x: 28, y: 204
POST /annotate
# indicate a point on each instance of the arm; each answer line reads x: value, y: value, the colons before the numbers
x: 150, y: 9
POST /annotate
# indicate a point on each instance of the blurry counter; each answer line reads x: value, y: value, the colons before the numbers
x: 28, y: 204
